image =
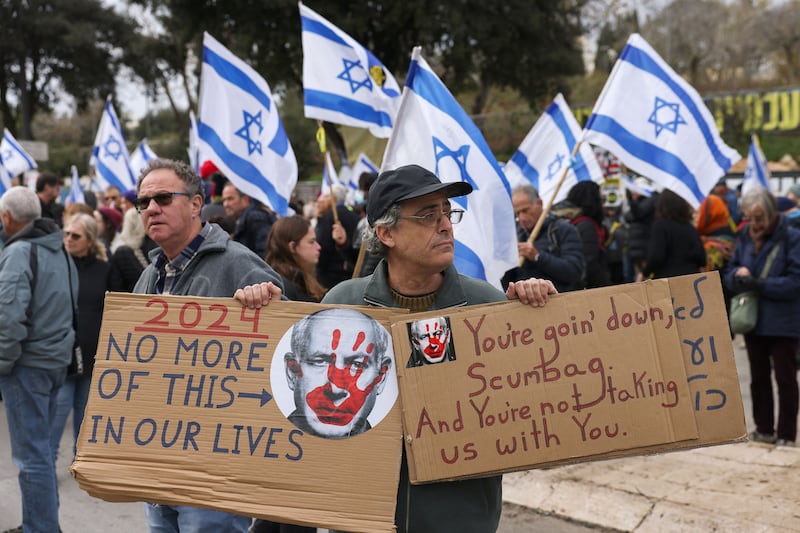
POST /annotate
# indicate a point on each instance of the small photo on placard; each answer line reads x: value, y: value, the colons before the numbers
x: 431, y: 342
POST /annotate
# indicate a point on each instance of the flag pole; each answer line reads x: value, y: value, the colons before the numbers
x: 539, y: 223
x: 327, y: 171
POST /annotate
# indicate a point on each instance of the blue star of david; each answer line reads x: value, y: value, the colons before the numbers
x: 347, y: 75
x: 458, y: 155
x: 7, y: 155
x: 112, y: 147
x: 554, y: 167
x: 253, y: 145
x: 665, y: 116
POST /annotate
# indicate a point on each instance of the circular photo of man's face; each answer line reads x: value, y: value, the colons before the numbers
x: 333, y: 373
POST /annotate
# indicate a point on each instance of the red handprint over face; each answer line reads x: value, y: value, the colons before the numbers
x: 338, y: 401
x: 431, y: 337
x: 337, y: 380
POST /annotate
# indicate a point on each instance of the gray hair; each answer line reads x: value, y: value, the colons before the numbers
x: 190, y: 178
x: 22, y: 204
x: 370, y: 237
x: 759, y: 196
x: 338, y: 193
x: 529, y: 190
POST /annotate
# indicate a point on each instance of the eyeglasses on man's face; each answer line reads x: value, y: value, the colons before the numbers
x: 161, y: 198
x: 434, y: 217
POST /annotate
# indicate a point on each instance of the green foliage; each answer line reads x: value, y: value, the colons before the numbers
x: 52, y: 45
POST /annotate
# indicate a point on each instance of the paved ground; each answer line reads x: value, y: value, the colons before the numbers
x: 737, y: 487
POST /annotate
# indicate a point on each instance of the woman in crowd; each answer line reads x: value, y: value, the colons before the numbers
x: 89, y: 255
x: 718, y: 233
x: 130, y: 251
x: 675, y: 247
x: 293, y: 251
x: 589, y: 223
x: 768, y: 238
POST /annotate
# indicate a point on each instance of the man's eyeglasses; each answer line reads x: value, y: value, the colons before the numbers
x: 433, y: 218
x: 73, y: 236
x: 162, y: 199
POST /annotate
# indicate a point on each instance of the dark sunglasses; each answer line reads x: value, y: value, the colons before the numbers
x: 162, y: 199
x: 73, y: 236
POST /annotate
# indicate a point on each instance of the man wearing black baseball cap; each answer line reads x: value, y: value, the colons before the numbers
x: 411, y: 227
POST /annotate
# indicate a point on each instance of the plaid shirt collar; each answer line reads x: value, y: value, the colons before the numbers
x: 169, y: 272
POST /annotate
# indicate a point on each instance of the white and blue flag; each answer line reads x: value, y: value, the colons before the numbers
x: 757, y: 173
x: 547, y: 151
x: 343, y: 82
x: 110, y: 154
x: 329, y: 175
x: 362, y: 164
x: 435, y: 132
x: 240, y: 131
x: 75, y: 190
x: 140, y: 156
x: 194, y: 143
x: 15, y: 159
x: 5, y: 178
x: 657, y: 124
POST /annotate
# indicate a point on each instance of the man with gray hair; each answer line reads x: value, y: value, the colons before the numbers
x: 411, y: 226
x: 194, y: 258
x: 38, y: 285
x: 556, y: 253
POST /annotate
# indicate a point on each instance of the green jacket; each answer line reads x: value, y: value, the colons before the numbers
x: 472, y: 505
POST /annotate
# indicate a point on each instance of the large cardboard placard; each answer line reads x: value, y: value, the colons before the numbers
x: 604, y: 373
x: 191, y: 403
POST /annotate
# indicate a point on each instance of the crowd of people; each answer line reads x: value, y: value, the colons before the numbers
x: 186, y: 233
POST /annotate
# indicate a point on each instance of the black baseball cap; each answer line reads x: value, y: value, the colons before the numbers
x: 405, y: 183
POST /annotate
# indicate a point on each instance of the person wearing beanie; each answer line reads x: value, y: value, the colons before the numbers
x: 213, y: 181
x: 109, y: 221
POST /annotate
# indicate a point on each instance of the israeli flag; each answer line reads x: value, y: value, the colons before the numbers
x: 547, y: 151
x: 757, y: 173
x: 140, y: 156
x: 75, y: 191
x: 5, y: 178
x: 194, y: 143
x: 15, y: 159
x: 657, y: 124
x: 329, y: 175
x: 435, y: 132
x: 110, y: 154
x: 362, y: 164
x: 240, y: 130
x: 343, y: 82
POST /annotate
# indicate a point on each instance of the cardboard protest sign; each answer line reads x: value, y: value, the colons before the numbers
x: 593, y: 374
x: 289, y: 412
